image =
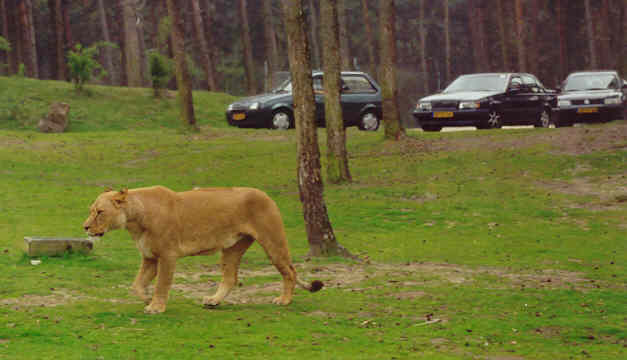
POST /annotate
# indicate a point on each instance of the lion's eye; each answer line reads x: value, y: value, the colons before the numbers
x: 98, y: 212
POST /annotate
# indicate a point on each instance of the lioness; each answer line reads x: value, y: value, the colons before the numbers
x: 167, y: 225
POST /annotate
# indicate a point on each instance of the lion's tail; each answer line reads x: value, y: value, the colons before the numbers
x: 312, y: 287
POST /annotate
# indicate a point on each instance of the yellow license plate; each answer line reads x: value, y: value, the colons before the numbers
x: 588, y: 110
x: 239, y: 116
x: 443, y: 114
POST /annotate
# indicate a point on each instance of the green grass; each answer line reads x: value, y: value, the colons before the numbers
x: 468, y: 234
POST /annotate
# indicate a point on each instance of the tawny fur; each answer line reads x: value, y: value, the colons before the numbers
x: 167, y: 225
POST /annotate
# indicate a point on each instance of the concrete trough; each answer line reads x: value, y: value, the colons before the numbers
x: 42, y: 246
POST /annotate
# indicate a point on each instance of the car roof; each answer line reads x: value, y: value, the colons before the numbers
x: 596, y: 72
x: 320, y: 72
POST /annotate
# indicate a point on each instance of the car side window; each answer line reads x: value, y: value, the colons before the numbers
x: 515, y: 83
x: 530, y: 84
x: 318, y: 85
x: 355, y: 84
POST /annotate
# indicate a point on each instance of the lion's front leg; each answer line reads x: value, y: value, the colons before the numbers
x: 165, y: 274
x: 147, y: 272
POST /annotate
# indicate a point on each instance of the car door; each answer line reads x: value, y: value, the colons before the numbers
x: 513, y: 104
x: 532, y: 100
x: 357, y: 93
x: 318, y: 87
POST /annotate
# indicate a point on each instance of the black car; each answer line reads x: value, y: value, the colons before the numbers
x: 360, y: 99
x: 590, y: 96
x: 487, y: 101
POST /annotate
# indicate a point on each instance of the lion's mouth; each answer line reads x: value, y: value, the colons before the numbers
x: 95, y: 235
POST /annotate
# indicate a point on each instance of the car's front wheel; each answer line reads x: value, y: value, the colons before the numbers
x: 281, y: 119
x: 369, y: 121
x: 494, y: 121
x: 544, y: 119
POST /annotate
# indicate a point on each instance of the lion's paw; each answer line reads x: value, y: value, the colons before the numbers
x: 210, y: 302
x: 154, y: 308
x: 142, y: 294
x: 282, y: 300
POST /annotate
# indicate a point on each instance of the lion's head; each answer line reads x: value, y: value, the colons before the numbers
x: 106, y: 213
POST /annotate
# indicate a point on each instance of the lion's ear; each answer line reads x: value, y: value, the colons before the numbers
x: 120, y: 198
x: 107, y: 189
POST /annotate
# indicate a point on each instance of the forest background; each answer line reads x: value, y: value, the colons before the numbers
x: 239, y: 47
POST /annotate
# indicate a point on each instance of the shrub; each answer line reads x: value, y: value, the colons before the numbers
x: 160, y: 71
x: 82, y: 64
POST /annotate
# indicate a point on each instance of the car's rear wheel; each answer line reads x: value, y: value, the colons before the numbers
x: 544, y: 119
x: 281, y: 119
x: 369, y: 121
x: 431, y: 128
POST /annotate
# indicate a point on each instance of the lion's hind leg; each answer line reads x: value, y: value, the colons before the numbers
x: 279, y: 254
x: 231, y: 258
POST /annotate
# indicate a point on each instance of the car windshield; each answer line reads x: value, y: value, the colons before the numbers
x: 286, y: 86
x: 590, y: 82
x: 488, y: 82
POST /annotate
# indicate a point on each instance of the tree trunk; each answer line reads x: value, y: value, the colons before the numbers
x: 337, y: 158
x: 422, y: 34
x: 315, y: 38
x: 107, y: 51
x: 533, y: 42
x: 4, y: 56
x: 183, y: 78
x: 561, y: 34
x: 271, y: 47
x: 67, y: 26
x: 249, y: 65
x: 345, y: 55
x: 208, y: 13
x: 132, y: 54
x: 122, y: 39
x: 500, y: 15
x: 202, y: 42
x: 447, y: 42
x: 371, y: 45
x: 27, y: 35
x: 322, y: 241
x: 623, y: 51
x: 14, y: 38
x: 604, y: 36
x: 477, y: 31
x: 520, y: 37
x: 590, y: 34
x: 391, y: 117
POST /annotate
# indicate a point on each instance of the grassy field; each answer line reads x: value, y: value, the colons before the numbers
x: 505, y: 244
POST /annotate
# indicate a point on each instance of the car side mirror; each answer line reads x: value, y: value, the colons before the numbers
x: 345, y: 88
x: 624, y: 84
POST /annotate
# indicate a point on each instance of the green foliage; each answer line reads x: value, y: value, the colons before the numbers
x: 165, y: 27
x: 21, y: 70
x: 5, y: 45
x: 82, y: 64
x: 160, y: 70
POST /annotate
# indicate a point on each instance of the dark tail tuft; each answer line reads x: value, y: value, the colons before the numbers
x: 316, y: 285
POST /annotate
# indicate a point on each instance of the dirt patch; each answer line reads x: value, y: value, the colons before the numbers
x: 397, y: 284
x: 355, y: 278
x: 58, y: 297
x: 573, y: 141
x: 609, y: 192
